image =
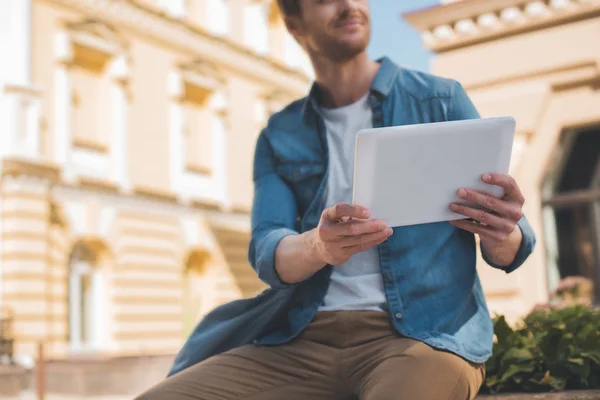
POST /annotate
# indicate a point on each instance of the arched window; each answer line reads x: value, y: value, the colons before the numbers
x: 86, y: 300
x: 195, y: 288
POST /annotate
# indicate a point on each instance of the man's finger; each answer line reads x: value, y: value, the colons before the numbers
x: 479, y: 229
x: 364, y: 246
x: 484, y: 217
x: 341, y: 210
x: 366, y: 238
x: 359, y: 227
x: 489, y: 202
x: 508, y: 183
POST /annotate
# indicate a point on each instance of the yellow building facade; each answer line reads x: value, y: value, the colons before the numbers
x: 538, y: 61
x: 126, y: 147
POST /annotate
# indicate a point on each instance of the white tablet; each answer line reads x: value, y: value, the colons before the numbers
x: 409, y: 174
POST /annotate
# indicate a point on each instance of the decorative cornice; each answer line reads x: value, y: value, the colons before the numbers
x: 464, y: 23
x: 17, y: 167
x: 99, y: 34
x: 162, y: 203
x: 97, y: 184
x: 90, y: 144
x: 198, y: 169
x: 558, y: 75
x: 28, y: 91
x: 239, y: 209
x: 154, y: 194
x: 137, y: 17
x: 205, y: 205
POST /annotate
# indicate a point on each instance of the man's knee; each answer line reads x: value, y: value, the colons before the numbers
x: 451, y: 376
x: 424, y: 373
x: 469, y: 382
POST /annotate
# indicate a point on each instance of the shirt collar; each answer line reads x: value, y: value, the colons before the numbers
x: 382, y: 84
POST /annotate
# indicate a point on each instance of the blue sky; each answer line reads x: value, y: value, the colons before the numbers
x: 393, y: 37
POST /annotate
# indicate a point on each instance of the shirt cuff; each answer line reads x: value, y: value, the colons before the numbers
x: 525, y: 249
x: 265, y: 262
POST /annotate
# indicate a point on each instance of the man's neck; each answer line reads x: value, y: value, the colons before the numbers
x: 344, y: 83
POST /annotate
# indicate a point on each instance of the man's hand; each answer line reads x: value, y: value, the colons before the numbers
x: 345, y: 230
x: 496, y: 223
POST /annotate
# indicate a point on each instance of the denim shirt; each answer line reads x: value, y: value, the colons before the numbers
x: 430, y: 279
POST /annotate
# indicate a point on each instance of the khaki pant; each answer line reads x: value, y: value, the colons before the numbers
x: 340, y: 355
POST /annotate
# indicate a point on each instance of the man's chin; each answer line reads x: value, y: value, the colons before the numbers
x: 347, y: 51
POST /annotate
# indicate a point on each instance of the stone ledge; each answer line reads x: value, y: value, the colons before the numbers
x: 569, y: 395
x: 13, y: 380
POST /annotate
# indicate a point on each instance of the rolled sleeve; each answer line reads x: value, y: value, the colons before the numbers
x: 264, y: 259
x: 274, y: 214
x: 525, y: 249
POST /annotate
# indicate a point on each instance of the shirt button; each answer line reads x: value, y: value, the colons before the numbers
x: 398, y: 315
x: 387, y: 277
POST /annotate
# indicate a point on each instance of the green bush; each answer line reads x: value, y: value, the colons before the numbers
x: 549, y: 351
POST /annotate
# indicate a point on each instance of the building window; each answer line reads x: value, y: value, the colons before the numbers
x: 91, y: 103
x: 89, y: 96
x: 218, y: 12
x: 196, y: 127
x: 86, y: 298
x: 257, y: 26
x: 197, y: 132
x: 571, y: 210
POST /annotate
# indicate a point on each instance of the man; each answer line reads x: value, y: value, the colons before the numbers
x: 355, y: 309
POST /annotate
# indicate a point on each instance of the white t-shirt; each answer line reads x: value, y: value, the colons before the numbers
x: 356, y: 284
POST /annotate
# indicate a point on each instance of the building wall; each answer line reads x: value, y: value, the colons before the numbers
x: 540, y: 64
x: 95, y: 158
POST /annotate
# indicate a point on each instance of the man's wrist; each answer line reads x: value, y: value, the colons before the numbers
x: 313, y: 256
x: 503, y: 253
x: 296, y: 258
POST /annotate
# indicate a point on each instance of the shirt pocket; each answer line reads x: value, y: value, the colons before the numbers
x: 304, y: 179
x: 297, y: 172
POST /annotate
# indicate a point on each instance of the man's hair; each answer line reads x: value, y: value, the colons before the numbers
x: 289, y: 8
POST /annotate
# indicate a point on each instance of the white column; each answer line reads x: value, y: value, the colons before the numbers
x: 219, y: 106
x: 20, y: 114
x: 119, y: 143
x: 218, y: 16
x: 176, y: 151
x: 291, y: 51
x: 62, y: 107
x: 175, y: 8
x: 9, y: 120
x: 32, y: 118
x: 97, y: 317
x: 15, y: 41
x: 75, y: 308
x: 256, y: 27
x: 62, y: 101
x: 220, y: 159
x: 176, y: 146
x: 19, y: 105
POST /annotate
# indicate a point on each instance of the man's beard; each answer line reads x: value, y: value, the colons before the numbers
x: 339, y: 51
